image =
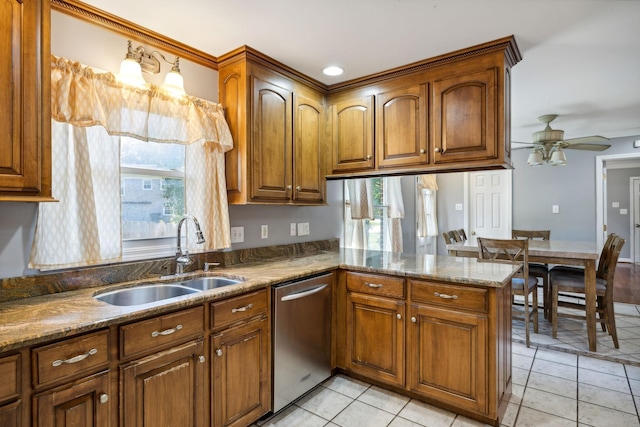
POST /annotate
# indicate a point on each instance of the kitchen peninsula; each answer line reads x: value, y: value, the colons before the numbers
x: 434, y: 328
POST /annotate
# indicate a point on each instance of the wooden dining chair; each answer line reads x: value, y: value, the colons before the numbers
x: 450, y: 237
x: 537, y: 270
x: 515, y: 252
x: 571, y: 284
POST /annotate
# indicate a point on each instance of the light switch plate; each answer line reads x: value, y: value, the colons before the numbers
x: 293, y: 229
x: 264, y: 231
x: 303, y: 229
x: 555, y: 209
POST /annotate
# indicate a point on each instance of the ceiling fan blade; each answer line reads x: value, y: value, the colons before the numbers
x: 520, y: 145
x: 585, y: 140
x: 590, y: 147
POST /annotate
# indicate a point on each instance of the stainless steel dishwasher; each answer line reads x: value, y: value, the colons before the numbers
x: 301, y: 337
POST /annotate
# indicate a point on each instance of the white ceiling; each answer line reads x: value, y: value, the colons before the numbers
x: 581, y: 58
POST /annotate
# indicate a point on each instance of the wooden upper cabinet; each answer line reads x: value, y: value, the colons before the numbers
x: 353, y: 145
x: 277, y: 121
x: 401, y: 127
x: 308, y: 148
x: 25, y: 129
x: 465, y: 117
x: 271, y: 142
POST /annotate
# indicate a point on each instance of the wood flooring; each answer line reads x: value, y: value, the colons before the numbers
x: 626, y: 283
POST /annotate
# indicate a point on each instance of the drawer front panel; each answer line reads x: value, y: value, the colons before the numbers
x: 163, y: 331
x: 375, y: 284
x: 460, y: 297
x: 70, y: 358
x: 10, y: 368
x: 230, y: 311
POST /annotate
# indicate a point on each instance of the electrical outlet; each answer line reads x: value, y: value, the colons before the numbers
x: 264, y: 231
x: 237, y: 234
x: 458, y: 206
x: 293, y: 229
x: 303, y: 229
x: 615, y: 204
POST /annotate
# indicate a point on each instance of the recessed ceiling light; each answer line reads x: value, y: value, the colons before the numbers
x: 333, y: 71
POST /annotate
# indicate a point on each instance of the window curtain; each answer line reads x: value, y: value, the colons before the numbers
x: 360, y: 208
x: 83, y: 227
x: 395, y: 213
x: 427, y: 215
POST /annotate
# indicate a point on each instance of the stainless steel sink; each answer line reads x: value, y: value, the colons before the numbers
x: 144, y: 294
x: 206, y: 283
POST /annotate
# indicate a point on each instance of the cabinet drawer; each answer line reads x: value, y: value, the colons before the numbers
x: 70, y: 358
x: 439, y: 294
x: 149, y: 335
x: 375, y: 284
x: 10, y: 369
x: 230, y: 311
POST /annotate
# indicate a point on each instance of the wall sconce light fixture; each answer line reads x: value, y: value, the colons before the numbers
x: 137, y: 60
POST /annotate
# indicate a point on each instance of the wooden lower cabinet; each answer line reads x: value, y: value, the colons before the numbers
x: 241, y: 374
x: 165, y: 388
x: 86, y: 403
x: 10, y: 415
x: 448, y: 356
x: 375, y: 337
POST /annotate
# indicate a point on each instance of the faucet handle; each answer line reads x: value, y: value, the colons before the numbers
x: 208, y: 265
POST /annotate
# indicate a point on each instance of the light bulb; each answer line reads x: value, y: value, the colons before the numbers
x: 131, y: 73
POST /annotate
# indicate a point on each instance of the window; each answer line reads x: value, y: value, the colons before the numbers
x: 151, y: 211
x: 373, y: 229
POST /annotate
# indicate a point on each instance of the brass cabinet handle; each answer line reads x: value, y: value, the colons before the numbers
x: 201, y: 359
x: 166, y: 331
x: 374, y: 285
x: 437, y: 149
x: 422, y: 151
x: 75, y: 359
x: 368, y: 156
x: 399, y: 316
x: 104, y: 398
x: 219, y: 352
x: 240, y: 309
x: 445, y: 296
x: 413, y: 319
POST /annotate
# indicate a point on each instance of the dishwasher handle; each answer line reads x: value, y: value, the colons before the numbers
x: 304, y: 293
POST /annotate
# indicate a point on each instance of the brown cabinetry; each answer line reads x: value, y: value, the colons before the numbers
x: 375, y: 315
x: 78, y: 370
x: 278, y: 128
x: 449, y: 113
x: 240, y: 360
x: 352, y: 125
x: 25, y: 134
x: 11, y: 390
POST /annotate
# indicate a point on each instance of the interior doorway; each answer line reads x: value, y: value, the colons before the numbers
x: 635, y: 219
x: 488, y: 196
x: 602, y: 162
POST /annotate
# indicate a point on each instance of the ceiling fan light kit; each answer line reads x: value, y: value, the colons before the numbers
x: 549, y: 144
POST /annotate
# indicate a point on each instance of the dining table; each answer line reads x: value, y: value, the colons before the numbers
x: 557, y: 252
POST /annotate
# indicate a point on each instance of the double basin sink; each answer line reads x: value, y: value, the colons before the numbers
x: 158, y: 291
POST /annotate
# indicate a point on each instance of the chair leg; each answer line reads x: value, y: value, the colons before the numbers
x: 611, y: 321
x: 554, y: 311
x: 602, y: 312
x: 545, y: 295
x: 526, y: 315
x: 535, y: 309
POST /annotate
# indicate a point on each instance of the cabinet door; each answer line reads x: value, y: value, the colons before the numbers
x: 401, y: 127
x: 24, y: 111
x: 164, y: 389
x: 375, y: 337
x: 84, y: 404
x: 465, y: 117
x: 271, y: 143
x: 309, y: 181
x: 241, y: 376
x: 10, y: 415
x: 448, y: 357
x: 353, y: 134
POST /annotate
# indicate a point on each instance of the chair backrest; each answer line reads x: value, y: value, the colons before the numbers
x: 604, y: 254
x: 505, y: 251
x: 610, y: 263
x: 461, y: 234
x: 531, y: 234
x: 450, y: 237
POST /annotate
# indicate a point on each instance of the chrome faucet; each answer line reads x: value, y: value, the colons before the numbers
x: 182, y: 257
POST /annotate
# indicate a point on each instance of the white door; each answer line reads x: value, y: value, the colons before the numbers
x: 489, y: 201
x: 635, y: 226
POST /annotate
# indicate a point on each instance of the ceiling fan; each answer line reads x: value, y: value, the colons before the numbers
x: 548, y: 144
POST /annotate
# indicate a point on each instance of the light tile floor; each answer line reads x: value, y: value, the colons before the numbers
x: 555, y: 383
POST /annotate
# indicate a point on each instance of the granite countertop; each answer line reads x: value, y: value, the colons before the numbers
x: 30, y: 321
